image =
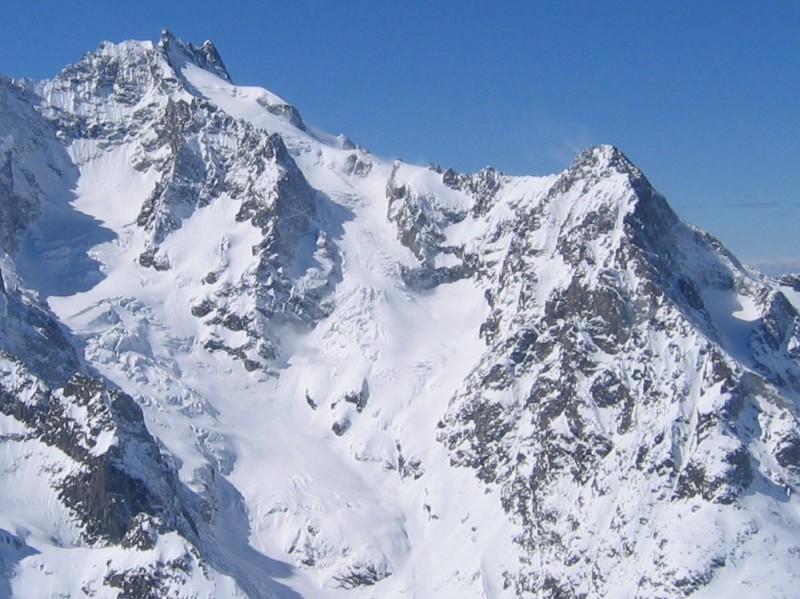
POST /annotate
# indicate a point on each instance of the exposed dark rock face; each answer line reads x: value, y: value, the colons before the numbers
x: 121, y: 476
x: 206, y: 56
x: 359, y: 399
x: 792, y: 280
x: 150, y: 583
x: 111, y: 473
x: 422, y: 221
x: 361, y: 575
x: 580, y: 361
x: 482, y: 186
x: 199, y: 154
x: 418, y: 221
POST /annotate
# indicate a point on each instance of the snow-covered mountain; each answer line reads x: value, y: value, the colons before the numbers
x: 242, y: 357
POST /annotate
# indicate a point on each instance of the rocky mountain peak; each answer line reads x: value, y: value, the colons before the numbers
x: 605, y: 155
x: 233, y: 348
x: 179, y: 52
x: 130, y: 75
x: 601, y: 162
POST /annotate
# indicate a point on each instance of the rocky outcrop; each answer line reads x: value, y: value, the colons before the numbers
x: 601, y: 388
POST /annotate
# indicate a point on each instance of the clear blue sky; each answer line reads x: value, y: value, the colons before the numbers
x: 703, y: 96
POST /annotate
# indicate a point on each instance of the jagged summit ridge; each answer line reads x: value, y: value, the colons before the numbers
x: 242, y: 356
x: 205, y: 57
x: 133, y: 78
